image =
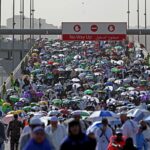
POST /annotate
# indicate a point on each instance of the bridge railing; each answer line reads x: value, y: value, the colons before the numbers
x: 17, y: 72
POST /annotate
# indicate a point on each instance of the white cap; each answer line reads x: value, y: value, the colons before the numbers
x: 35, y: 121
x: 54, y: 118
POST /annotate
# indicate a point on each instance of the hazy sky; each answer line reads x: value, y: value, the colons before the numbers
x: 57, y: 11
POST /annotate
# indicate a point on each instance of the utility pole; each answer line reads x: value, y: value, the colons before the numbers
x: 138, y: 18
x: 145, y: 23
x: 30, y: 21
x: 0, y: 19
x: 13, y: 43
x: 33, y: 16
x: 23, y: 17
x: 40, y: 26
x: 128, y: 12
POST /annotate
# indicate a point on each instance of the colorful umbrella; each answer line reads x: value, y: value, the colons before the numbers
x: 98, y: 115
x: 88, y: 92
x: 14, y: 98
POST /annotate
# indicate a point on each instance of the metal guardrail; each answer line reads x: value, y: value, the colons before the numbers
x: 59, y: 31
x: 17, y: 72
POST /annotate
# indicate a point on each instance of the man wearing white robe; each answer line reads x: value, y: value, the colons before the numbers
x: 57, y: 132
x: 129, y: 127
x: 146, y: 133
x: 103, y: 134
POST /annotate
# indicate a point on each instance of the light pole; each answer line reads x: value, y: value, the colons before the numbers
x: 30, y: 19
x: 138, y: 18
x: 0, y: 19
x: 128, y: 12
x: 32, y: 10
x: 21, y: 52
x: 40, y: 25
x: 145, y: 23
x: 13, y: 43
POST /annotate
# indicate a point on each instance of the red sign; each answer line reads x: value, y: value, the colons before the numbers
x: 111, y: 28
x: 93, y: 37
x: 94, y: 31
x: 94, y: 28
x: 77, y: 28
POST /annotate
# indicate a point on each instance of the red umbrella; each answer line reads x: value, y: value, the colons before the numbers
x: 64, y: 111
x: 50, y: 62
x: 9, y: 118
x: 141, y: 88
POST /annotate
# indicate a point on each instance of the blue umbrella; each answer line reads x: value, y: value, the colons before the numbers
x: 98, y: 115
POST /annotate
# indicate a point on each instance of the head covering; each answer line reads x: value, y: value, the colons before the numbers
x: 105, y: 121
x: 35, y: 121
x: 15, y: 116
x: 37, y: 129
x: 76, y: 114
x: 118, y: 131
x: 53, y: 119
x: 74, y: 123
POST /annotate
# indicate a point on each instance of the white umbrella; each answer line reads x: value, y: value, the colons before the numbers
x: 138, y: 114
x: 118, y: 81
x: 54, y: 56
x: 77, y: 85
x: 61, y: 55
x: 124, y: 93
x: 75, y: 80
x: 120, y: 62
x: 127, y: 80
x: 130, y: 88
x: 77, y: 57
x: 147, y: 71
x: 111, y: 79
x: 133, y: 92
x: 110, y: 101
x: 79, y: 69
x: 110, y: 88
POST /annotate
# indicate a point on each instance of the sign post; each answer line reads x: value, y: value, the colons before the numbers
x: 89, y: 31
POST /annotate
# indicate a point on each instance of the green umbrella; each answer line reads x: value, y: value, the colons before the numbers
x: 14, y: 98
x: 88, y: 92
x: 36, y: 71
x: 83, y: 113
x: 115, y: 70
x: 90, y: 77
x: 96, y: 86
x: 120, y: 89
x: 27, y: 108
x: 66, y: 101
x: 57, y: 102
x: 33, y: 104
x: 143, y: 82
x: 118, y: 47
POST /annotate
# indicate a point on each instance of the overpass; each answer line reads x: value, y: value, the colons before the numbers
x: 59, y: 31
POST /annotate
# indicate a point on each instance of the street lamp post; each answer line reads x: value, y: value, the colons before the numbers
x: 13, y: 43
x: 0, y: 19
x: 32, y: 10
x: 40, y: 25
x: 145, y: 23
x: 128, y: 12
x: 23, y: 17
x: 138, y: 18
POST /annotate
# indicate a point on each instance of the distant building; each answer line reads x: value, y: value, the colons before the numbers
x: 43, y: 23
